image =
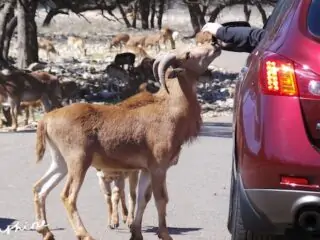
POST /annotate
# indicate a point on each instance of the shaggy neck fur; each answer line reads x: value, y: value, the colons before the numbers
x: 183, y: 105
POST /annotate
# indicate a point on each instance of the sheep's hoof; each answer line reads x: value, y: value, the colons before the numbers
x: 124, y: 219
x: 48, y: 236
x: 12, y: 129
x: 136, y: 237
x: 129, y: 222
x: 164, y: 236
x: 114, y: 226
x: 87, y: 238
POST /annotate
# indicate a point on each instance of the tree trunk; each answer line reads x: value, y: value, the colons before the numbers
x: 196, y: 22
x: 135, y: 12
x: 262, y: 12
x: 9, y: 32
x: 246, y: 10
x: 124, y: 16
x: 200, y: 15
x: 160, y: 13
x: 153, y: 13
x: 144, y: 7
x: 7, y: 11
x: 27, y: 33
x: 214, y: 14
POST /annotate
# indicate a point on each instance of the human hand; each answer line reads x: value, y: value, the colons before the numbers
x: 211, y: 27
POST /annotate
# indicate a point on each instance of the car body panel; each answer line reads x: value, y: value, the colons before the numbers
x: 265, y: 124
x: 276, y: 136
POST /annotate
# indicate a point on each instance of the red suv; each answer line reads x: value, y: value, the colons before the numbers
x: 275, y: 180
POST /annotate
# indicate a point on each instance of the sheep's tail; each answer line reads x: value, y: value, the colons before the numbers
x: 41, y: 140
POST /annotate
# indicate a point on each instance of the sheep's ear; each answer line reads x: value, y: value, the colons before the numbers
x: 174, y: 73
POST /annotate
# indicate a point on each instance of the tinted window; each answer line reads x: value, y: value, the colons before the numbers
x: 313, y: 18
x: 275, y: 20
x: 279, y: 13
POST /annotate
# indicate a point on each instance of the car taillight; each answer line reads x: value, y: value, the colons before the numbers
x: 283, y: 77
x: 277, y: 76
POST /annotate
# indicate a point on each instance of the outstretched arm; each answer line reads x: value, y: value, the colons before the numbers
x: 241, y: 39
x: 236, y: 39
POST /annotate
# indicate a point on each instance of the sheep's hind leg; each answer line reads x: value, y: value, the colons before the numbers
x: 27, y: 115
x: 123, y: 203
x: 70, y: 193
x: 133, y: 182
x: 43, y: 187
x: 14, y: 108
x: 117, y: 194
x: 106, y: 190
x: 144, y: 196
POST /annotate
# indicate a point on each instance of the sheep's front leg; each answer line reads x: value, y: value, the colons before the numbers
x: 159, y: 189
x: 7, y: 116
x: 173, y: 43
x: 46, y: 103
x: 48, y: 55
x: 106, y: 190
x: 144, y: 196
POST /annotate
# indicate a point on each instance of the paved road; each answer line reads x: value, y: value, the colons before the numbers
x: 198, y: 191
x: 232, y: 61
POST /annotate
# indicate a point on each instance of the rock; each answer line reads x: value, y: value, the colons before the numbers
x: 86, y: 75
x: 6, y: 71
x: 36, y: 66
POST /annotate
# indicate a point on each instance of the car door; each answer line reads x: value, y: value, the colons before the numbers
x: 246, y: 107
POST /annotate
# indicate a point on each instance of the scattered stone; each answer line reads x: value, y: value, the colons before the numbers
x: 36, y: 66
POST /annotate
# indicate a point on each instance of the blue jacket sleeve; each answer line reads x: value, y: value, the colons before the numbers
x: 240, y: 39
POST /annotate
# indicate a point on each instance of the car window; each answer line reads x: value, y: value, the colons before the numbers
x: 275, y: 20
x: 278, y: 15
x: 313, y: 18
x: 274, y: 15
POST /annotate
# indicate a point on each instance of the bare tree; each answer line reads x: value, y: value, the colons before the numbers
x: 11, y: 26
x: 197, y: 12
x: 160, y: 13
x: 144, y: 7
x: 7, y: 13
x: 27, y: 33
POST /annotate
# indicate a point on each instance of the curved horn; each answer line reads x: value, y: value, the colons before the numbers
x: 155, y: 68
x: 165, y: 62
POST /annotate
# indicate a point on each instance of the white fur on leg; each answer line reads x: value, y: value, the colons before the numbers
x: 56, y: 172
x: 144, y: 184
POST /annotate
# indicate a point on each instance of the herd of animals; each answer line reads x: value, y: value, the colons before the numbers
x: 132, y: 49
x: 137, y: 139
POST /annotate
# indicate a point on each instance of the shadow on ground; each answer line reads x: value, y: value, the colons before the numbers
x: 5, y: 222
x: 19, y: 131
x: 172, y: 231
x: 216, y: 129
x: 217, y: 124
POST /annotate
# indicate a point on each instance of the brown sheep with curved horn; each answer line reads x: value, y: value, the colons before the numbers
x: 145, y: 132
